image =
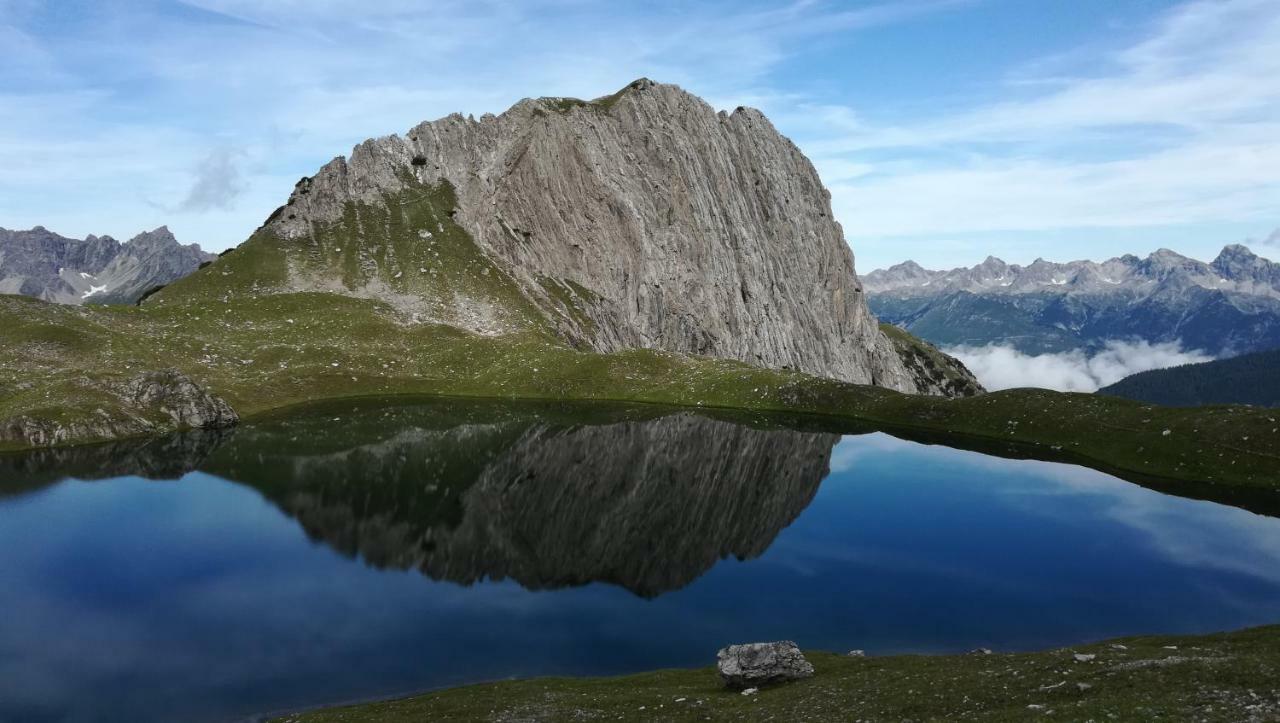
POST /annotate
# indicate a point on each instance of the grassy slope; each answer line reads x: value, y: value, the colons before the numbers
x: 242, y: 328
x: 274, y: 351
x: 1227, y: 677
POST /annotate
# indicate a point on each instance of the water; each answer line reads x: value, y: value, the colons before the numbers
x: 373, y: 551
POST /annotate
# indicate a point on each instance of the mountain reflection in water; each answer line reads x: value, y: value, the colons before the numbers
x: 469, y: 491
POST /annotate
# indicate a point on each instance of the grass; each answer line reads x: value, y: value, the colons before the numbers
x: 267, y: 352
x: 375, y: 303
x: 1222, y: 677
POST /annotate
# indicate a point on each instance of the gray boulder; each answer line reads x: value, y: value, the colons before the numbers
x: 755, y: 664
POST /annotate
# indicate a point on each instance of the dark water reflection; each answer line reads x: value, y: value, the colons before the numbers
x: 369, y: 550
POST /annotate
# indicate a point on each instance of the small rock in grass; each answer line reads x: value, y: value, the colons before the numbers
x: 857, y: 653
x: 980, y: 651
x: 753, y: 664
x: 1084, y: 657
x: 751, y: 691
x: 1082, y: 687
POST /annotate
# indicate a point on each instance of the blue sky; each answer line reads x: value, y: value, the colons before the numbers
x: 946, y: 130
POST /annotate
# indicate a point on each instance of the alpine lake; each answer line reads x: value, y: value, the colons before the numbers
x: 366, y: 549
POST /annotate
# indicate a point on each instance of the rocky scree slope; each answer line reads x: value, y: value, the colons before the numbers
x: 644, y: 219
x: 97, y: 269
x: 1228, y: 306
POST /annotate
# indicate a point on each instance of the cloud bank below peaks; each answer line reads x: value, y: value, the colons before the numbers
x: 1004, y: 367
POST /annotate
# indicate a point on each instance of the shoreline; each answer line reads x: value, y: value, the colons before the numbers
x: 1261, y: 496
x: 1215, y: 676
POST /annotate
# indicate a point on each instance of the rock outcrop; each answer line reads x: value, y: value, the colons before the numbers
x: 152, y: 402
x: 644, y: 219
x: 97, y: 269
x: 755, y: 664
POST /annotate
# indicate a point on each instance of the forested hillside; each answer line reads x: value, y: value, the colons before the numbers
x: 1249, y: 379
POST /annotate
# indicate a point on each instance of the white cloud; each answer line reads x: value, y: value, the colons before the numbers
x: 1003, y: 367
x: 131, y: 96
x: 1179, y: 128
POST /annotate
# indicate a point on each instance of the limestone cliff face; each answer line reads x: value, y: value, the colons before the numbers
x: 642, y: 219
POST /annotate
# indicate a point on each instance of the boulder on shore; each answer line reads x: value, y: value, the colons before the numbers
x: 755, y: 664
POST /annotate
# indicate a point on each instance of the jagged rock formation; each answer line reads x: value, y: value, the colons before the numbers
x: 536, y: 501
x: 644, y: 219
x: 151, y: 402
x: 1228, y: 306
x: 97, y: 269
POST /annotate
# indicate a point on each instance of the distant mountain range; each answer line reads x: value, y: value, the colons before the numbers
x: 96, y: 269
x: 1248, y: 379
x: 1228, y: 306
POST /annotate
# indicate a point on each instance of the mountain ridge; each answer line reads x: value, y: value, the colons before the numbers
x: 97, y: 269
x: 1235, y: 268
x: 1228, y: 306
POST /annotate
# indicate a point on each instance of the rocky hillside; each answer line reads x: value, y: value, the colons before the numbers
x: 96, y: 269
x: 1229, y: 305
x: 644, y: 219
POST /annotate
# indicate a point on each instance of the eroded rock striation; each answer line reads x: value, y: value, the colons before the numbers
x: 644, y: 219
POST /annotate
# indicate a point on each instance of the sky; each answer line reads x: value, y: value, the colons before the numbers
x: 946, y: 130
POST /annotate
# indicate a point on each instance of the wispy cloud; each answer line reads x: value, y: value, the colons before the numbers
x: 1269, y: 245
x: 217, y: 183
x: 1003, y: 367
x: 1178, y: 128
x: 116, y: 107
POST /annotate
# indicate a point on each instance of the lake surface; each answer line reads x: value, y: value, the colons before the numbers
x: 367, y: 551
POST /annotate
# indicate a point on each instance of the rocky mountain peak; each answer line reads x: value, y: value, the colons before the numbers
x: 639, y: 219
x: 1236, y: 263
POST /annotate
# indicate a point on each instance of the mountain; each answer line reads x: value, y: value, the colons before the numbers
x: 97, y: 269
x: 641, y: 220
x: 1247, y: 379
x: 1228, y: 306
